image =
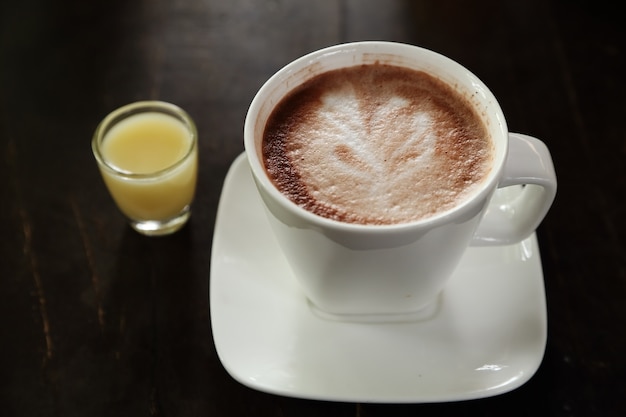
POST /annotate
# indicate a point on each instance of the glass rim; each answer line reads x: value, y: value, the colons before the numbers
x: 139, y: 107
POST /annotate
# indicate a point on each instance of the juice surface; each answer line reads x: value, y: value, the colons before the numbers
x: 146, y: 143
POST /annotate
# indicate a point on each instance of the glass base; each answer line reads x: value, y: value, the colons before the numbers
x: 162, y: 227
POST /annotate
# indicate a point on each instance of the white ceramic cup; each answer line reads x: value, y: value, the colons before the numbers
x: 352, y: 269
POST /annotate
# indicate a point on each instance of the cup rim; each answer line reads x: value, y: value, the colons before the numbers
x: 300, y: 64
x: 138, y: 107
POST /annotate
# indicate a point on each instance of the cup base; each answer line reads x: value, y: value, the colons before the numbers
x: 424, y: 313
x: 162, y: 227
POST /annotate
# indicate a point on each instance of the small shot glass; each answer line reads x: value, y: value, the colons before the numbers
x: 147, y: 153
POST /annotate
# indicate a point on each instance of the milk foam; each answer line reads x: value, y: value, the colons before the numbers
x: 376, y: 144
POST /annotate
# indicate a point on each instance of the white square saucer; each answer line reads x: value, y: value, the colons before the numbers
x: 486, y: 335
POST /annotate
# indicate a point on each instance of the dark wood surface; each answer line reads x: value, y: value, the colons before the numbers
x: 96, y: 320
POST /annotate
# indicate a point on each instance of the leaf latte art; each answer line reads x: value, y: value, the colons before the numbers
x: 376, y: 144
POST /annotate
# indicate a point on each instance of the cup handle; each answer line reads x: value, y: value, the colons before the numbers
x: 525, y: 193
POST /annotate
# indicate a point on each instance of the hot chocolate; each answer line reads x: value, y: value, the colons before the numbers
x: 376, y: 144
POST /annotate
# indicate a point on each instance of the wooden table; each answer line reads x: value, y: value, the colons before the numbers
x: 98, y: 320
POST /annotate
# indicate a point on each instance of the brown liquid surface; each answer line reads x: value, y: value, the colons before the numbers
x: 376, y: 144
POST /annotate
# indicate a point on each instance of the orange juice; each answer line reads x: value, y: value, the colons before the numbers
x: 152, y: 165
